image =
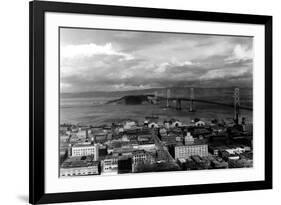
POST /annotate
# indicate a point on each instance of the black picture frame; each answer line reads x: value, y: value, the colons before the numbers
x: 37, y: 194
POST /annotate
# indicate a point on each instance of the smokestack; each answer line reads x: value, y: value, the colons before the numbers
x: 236, y: 105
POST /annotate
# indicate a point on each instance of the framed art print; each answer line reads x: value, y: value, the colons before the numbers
x: 130, y: 102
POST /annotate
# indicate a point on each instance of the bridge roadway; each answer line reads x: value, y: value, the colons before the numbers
x: 201, y: 101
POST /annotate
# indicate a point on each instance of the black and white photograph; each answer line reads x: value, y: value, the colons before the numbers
x: 120, y: 102
x: 133, y: 102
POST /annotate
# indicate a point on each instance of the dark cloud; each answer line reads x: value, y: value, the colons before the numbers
x: 109, y: 60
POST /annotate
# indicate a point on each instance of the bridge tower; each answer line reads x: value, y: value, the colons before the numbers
x: 191, y: 105
x: 178, y: 104
x: 155, y: 94
x: 155, y: 99
x: 236, y: 97
x: 168, y: 97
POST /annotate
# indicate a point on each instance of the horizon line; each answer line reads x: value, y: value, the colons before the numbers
x: 151, y: 89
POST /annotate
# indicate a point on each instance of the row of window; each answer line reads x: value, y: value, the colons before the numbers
x: 191, y: 150
x: 84, y: 149
x: 78, y: 174
x: 109, y: 168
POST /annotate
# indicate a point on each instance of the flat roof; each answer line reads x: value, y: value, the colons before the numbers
x: 83, y: 145
x: 194, y: 144
x: 74, y: 162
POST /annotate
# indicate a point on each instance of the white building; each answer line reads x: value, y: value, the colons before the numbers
x: 183, y: 152
x: 141, y: 156
x: 188, y: 139
x: 129, y: 125
x: 163, y: 131
x: 85, y: 150
x: 109, y: 166
x: 237, y: 150
x: 146, y: 147
x: 167, y: 125
x: 120, y: 129
x: 125, y: 138
x: 79, y: 166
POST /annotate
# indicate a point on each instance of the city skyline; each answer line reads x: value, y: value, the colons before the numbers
x: 110, y: 60
x: 202, y: 120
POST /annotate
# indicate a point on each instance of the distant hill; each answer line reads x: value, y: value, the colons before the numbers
x: 109, y: 94
x: 131, y: 100
x: 161, y: 91
x: 224, y: 95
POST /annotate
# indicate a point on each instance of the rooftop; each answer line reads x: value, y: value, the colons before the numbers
x: 83, y: 145
x: 198, y: 142
x: 84, y: 161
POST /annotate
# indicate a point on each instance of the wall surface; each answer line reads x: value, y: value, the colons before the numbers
x: 14, y: 100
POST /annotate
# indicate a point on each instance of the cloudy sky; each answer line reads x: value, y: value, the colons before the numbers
x: 106, y: 60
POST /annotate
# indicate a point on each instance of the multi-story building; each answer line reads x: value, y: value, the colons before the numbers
x: 82, y: 133
x: 171, y: 139
x: 85, y: 150
x: 79, y: 166
x: 141, y: 156
x: 129, y: 125
x: 186, y: 151
x: 188, y: 139
x: 144, y: 146
x: 109, y: 165
x: 124, y: 165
